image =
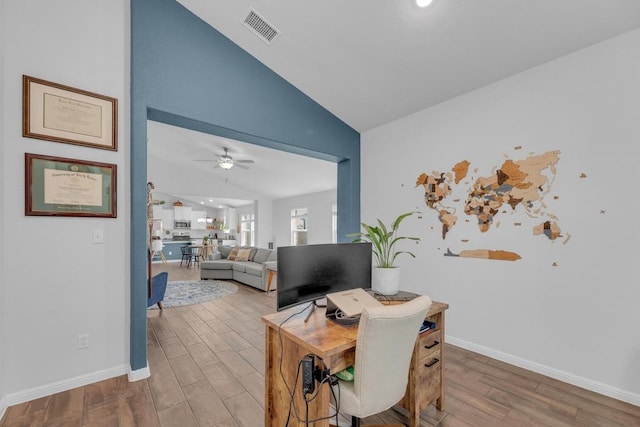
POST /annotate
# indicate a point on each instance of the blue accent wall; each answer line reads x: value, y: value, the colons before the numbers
x: 185, y: 73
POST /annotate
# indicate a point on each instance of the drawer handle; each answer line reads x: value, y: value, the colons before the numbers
x: 433, y: 362
x: 429, y: 347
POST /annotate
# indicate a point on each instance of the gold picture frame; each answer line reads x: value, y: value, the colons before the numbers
x: 60, y: 113
x: 56, y: 186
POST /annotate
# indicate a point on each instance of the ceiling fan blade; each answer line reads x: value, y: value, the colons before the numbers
x: 243, y: 161
x: 205, y: 160
x: 240, y: 166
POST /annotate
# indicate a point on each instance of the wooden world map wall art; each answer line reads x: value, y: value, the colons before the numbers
x: 516, y: 187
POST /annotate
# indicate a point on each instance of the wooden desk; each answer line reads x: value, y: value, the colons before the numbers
x: 336, y: 346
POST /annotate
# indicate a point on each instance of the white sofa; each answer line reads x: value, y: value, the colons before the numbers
x: 252, y: 272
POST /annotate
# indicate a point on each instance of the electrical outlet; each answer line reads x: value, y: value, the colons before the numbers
x: 98, y: 237
x: 83, y: 341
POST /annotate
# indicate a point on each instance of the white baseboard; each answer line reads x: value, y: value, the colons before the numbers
x: 49, y: 389
x: 586, y: 383
x: 139, y: 374
x: 3, y: 407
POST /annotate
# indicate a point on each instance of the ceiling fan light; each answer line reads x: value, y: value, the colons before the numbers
x: 226, y: 164
x: 423, y: 3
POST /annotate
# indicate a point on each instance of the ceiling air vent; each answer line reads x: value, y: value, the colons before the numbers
x: 261, y: 27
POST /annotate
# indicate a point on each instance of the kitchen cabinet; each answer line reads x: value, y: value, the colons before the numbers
x: 167, y: 219
x: 164, y: 215
x: 198, y: 220
x: 171, y: 250
x: 182, y: 213
x: 157, y: 212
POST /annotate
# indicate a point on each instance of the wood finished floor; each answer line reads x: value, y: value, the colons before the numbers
x: 207, y: 367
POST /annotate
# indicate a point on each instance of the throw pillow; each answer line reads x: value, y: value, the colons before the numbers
x: 224, y: 251
x: 261, y: 256
x: 243, y: 255
x: 233, y: 254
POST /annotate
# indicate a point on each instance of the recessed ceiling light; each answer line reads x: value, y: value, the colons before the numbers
x: 424, y: 3
x: 202, y: 203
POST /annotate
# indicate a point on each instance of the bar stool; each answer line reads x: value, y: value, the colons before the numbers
x: 156, y: 248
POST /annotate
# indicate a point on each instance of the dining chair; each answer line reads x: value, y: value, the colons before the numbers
x: 194, y: 256
x: 186, y: 254
x: 384, y: 347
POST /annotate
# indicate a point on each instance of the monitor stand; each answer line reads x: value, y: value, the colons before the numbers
x: 317, y: 303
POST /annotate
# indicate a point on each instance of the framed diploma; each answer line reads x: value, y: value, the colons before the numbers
x: 56, y: 186
x: 61, y: 113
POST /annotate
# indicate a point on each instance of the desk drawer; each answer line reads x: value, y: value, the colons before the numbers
x: 428, y: 344
x: 428, y: 384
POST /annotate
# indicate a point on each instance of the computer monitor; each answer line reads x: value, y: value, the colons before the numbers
x: 307, y: 273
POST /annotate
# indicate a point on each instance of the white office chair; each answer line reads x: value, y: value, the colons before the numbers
x: 384, y: 346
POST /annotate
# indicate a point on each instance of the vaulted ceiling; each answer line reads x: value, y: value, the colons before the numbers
x: 373, y: 61
x: 370, y: 62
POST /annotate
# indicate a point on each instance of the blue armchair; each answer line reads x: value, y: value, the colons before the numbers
x: 158, y: 288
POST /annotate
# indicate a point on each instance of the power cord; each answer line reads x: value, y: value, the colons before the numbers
x: 284, y: 380
x: 324, y: 378
x: 337, y: 382
x: 331, y: 380
x: 291, y: 401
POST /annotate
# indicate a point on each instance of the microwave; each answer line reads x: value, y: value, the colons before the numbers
x: 182, y: 224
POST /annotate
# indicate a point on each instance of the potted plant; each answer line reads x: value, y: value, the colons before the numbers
x: 385, y: 277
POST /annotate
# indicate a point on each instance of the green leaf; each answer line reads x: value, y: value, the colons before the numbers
x: 383, y: 240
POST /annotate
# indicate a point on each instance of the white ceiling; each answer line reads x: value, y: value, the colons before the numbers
x: 274, y: 175
x: 373, y: 61
x: 370, y: 62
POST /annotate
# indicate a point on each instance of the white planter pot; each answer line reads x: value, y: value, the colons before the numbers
x: 385, y: 280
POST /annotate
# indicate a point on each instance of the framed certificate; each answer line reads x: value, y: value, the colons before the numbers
x: 56, y: 186
x: 61, y: 113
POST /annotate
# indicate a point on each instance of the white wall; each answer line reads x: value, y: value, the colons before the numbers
x: 319, y: 218
x: 3, y: 321
x: 264, y: 222
x: 56, y: 283
x: 577, y: 321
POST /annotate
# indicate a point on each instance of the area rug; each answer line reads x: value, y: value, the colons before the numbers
x: 187, y: 292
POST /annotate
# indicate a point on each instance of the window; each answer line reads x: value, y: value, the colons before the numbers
x: 247, y: 230
x: 299, y: 226
x: 334, y: 223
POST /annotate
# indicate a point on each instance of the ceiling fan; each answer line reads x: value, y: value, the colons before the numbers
x: 225, y: 161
